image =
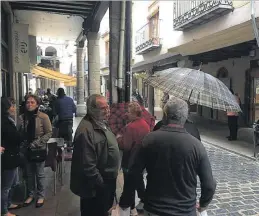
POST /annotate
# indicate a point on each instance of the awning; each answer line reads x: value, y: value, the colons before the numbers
x: 158, y: 60
x: 72, y: 83
x: 54, y: 75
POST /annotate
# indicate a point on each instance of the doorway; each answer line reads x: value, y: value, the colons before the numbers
x: 223, y: 76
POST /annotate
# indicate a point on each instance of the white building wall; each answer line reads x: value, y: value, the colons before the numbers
x: 104, y: 27
x: 64, y: 52
x: 140, y: 14
x: 232, y: 28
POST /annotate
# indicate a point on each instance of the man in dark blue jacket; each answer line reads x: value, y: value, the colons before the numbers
x: 64, y: 109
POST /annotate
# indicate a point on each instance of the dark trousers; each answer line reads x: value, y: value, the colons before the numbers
x: 101, y: 203
x: 9, y: 180
x: 128, y: 194
x: 65, y: 128
x: 233, y: 126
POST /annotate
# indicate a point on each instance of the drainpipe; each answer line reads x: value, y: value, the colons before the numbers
x: 254, y: 22
x: 121, y: 54
x: 128, y: 51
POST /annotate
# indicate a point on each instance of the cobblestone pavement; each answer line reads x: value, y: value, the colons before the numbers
x: 237, y: 184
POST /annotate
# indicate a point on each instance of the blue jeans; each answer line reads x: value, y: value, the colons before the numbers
x: 35, y: 171
x: 9, y: 180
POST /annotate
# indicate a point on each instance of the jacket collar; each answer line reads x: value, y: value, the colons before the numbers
x: 95, y: 126
x: 172, y: 128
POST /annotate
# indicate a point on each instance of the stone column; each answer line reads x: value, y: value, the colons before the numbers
x: 114, y: 20
x: 81, y: 107
x: 93, y: 51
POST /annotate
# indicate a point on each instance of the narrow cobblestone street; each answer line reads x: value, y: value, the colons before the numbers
x: 237, y: 184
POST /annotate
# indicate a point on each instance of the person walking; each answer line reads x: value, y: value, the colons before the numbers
x: 173, y: 160
x: 233, y: 121
x: 95, y: 160
x: 37, y: 130
x: 164, y: 99
x: 51, y: 99
x: 65, y: 109
x: 132, y: 138
x: 10, y: 159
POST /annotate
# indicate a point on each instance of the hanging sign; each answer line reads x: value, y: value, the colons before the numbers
x: 20, y: 47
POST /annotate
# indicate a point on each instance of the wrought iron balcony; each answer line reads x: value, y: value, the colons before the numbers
x: 148, y: 37
x: 188, y: 14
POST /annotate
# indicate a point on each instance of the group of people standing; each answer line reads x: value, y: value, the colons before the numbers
x: 172, y: 155
x: 24, y: 144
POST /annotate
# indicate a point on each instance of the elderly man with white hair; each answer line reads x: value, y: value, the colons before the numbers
x: 95, y: 161
x: 173, y: 159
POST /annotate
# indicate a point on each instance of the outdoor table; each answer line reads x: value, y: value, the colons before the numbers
x: 61, y: 146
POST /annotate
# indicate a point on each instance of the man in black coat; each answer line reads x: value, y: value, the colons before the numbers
x: 173, y: 159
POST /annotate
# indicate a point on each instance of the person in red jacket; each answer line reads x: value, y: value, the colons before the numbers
x: 132, y: 137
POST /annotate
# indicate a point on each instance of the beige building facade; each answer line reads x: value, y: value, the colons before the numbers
x: 217, y: 36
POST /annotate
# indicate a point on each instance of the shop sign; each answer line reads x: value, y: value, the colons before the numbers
x: 20, y: 39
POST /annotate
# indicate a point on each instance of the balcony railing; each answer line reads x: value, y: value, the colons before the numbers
x: 188, y: 14
x: 148, y: 37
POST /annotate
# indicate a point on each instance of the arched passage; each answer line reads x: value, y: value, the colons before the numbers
x: 50, y: 51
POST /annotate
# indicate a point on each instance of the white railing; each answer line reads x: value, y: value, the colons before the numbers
x: 148, y: 32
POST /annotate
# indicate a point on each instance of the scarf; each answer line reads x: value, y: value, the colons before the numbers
x: 30, y: 116
x: 101, y: 123
x: 12, y: 120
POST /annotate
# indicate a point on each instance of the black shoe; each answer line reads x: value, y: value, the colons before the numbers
x: 27, y: 204
x: 39, y: 205
x: 16, y: 207
x: 228, y: 137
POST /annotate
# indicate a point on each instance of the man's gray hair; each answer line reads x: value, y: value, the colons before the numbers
x: 176, y: 111
x: 91, y: 103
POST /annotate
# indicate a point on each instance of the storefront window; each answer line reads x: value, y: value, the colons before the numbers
x: 4, y: 58
x: 4, y: 29
x: 5, y: 84
x: 4, y: 55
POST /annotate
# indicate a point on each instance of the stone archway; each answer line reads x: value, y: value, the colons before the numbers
x: 50, y: 51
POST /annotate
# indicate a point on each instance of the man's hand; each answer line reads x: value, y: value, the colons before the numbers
x: 111, y: 209
x: 118, y: 136
x: 199, y: 208
x: 2, y: 149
